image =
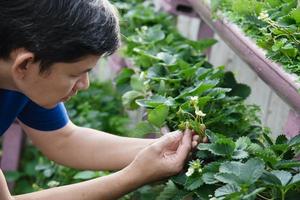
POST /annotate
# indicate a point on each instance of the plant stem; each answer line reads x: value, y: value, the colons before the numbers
x: 282, y: 195
x: 263, y: 197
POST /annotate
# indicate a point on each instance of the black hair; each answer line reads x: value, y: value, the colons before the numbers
x: 58, y: 30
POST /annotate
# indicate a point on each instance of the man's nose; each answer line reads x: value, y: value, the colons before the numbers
x: 84, y: 82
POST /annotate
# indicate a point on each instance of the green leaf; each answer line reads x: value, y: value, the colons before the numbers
x: 253, y: 193
x: 199, y: 88
x: 287, y: 164
x: 240, y: 90
x: 222, y: 147
x: 85, y: 175
x: 240, y: 154
x: 167, y: 58
x: 169, y: 191
x: 182, y: 195
x: 283, y: 176
x: 213, y: 137
x: 268, y: 139
x: 294, y: 141
x: 162, y: 87
x: 204, y: 192
x: 212, y: 167
x: 267, y: 155
x: 209, y: 178
x: 202, y: 101
x: 241, y: 173
x: 270, y: 179
x: 295, y: 14
x: 229, y: 178
x: 289, y: 50
x: 143, y: 128
x: 242, y: 143
x: 277, y: 177
x: 137, y: 83
x: 215, y: 5
x: 52, y: 184
x: 201, y: 44
x: 179, y: 179
x: 193, y: 182
x: 148, y: 35
x: 226, y: 190
x: 296, y: 179
x: 281, y: 139
x: 252, y: 170
x: 12, y: 176
x: 158, y: 115
x: 145, y: 57
x: 279, y: 148
x: 247, y: 7
x: 157, y: 71
x: 128, y: 99
x: 155, y: 101
x: 253, y: 148
x: 124, y: 76
x: 188, y: 73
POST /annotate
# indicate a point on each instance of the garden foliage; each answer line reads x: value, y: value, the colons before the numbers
x: 179, y: 88
x: 176, y: 87
x: 273, y: 24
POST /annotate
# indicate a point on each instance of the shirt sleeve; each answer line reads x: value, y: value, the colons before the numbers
x: 44, y: 119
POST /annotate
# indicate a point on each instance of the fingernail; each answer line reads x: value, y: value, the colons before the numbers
x: 187, y: 130
x: 177, y: 133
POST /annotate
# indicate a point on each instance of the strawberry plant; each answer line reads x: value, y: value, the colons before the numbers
x: 177, y: 88
x: 100, y: 108
x: 274, y: 24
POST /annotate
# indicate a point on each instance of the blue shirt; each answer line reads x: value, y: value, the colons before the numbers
x: 16, y: 105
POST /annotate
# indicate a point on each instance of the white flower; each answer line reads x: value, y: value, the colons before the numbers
x: 200, y: 170
x: 52, y: 184
x: 142, y: 75
x: 194, y: 98
x: 200, y: 113
x: 190, y: 171
x: 263, y: 15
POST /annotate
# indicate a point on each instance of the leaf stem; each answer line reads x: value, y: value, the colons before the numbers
x: 282, y: 195
x: 263, y: 197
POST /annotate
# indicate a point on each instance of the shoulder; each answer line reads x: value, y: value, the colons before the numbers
x: 12, y: 104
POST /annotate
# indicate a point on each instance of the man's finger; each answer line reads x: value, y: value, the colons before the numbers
x: 194, y: 144
x: 170, y: 138
x: 205, y: 139
x: 185, y: 146
x: 196, y: 138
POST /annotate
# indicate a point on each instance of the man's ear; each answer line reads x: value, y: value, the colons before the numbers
x: 22, y: 59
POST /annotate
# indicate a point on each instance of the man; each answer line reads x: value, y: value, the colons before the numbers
x: 47, y: 49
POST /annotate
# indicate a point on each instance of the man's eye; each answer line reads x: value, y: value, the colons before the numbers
x: 74, y: 76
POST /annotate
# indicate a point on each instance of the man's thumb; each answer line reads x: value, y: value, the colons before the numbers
x: 171, y: 138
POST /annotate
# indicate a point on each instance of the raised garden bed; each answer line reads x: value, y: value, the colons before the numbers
x: 283, y: 83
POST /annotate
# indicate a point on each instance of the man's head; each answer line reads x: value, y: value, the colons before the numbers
x: 47, y: 34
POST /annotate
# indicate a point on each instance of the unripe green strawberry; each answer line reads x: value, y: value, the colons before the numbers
x: 184, y: 125
x: 202, y: 128
x: 181, y: 126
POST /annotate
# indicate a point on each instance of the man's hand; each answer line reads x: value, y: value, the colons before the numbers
x: 165, y: 157
x: 197, y: 139
x: 4, y: 193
